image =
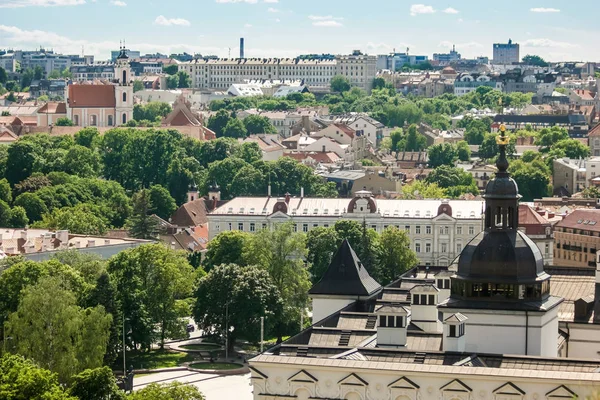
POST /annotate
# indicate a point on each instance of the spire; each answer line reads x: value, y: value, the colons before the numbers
x: 502, y: 162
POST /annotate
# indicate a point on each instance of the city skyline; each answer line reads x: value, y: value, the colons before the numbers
x: 287, y: 28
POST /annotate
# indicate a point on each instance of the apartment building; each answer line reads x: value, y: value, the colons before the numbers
x: 576, y: 239
x: 570, y: 174
x: 220, y: 74
x: 506, y: 53
x: 90, y: 72
x: 49, y: 61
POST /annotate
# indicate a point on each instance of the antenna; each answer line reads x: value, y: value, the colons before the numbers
x: 407, y: 49
x: 229, y: 52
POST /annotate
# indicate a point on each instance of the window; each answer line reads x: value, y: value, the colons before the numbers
x: 399, y: 322
x: 230, y: 226
x: 407, y: 229
x: 428, y: 229
x: 446, y: 230
x: 93, y: 120
x: 427, y: 247
x: 416, y: 299
x: 391, y: 321
x: 304, y: 227
x: 452, y: 331
x: 383, y: 321
x: 441, y: 230
x: 417, y: 247
x: 240, y: 226
x: 471, y: 230
x: 124, y: 97
x: 418, y: 229
x: 459, y: 230
x: 458, y: 247
x: 124, y: 118
x: 252, y: 227
x: 110, y: 120
x: 444, y: 248
x: 264, y: 226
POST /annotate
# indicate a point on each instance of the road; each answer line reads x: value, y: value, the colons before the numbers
x: 214, y: 387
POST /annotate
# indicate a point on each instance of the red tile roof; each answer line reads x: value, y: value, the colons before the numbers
x: 588, y: 220
x: 528, y: 216
x: 595, y: 131
x: 346, y: 129
x: 53, y: 108
x: 86, y: 96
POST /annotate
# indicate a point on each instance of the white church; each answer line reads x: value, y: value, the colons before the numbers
x: 494, y: 325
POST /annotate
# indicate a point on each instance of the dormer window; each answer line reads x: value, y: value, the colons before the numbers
x: 443, y: 283
x: 391, y: 321
x: 423, y: 299
x: 456, y: 330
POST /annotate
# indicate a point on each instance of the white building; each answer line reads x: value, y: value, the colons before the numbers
x: 491, y: 326
x: 360, y: 69
x: 438, y: 229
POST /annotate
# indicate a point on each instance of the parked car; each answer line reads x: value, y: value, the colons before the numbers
x: 190, y: 328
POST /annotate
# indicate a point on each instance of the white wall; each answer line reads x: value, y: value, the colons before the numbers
x: 584, y: 340
x: 324, y: 306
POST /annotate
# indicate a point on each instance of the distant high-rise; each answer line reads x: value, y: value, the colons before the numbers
x: 506, y: 53
x: 242, y: 48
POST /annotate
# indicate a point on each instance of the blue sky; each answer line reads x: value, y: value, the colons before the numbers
x: 289, y: 27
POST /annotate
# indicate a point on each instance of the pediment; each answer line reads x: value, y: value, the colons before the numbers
x: 256, y: 374
x: 403, y: 383
x: 455, y: 386
x: 279, y: 215
x: 561, y: 392
x: 509, y: 389
x: 443, y: 217
x: 303, y: 376
x: 353, y: 380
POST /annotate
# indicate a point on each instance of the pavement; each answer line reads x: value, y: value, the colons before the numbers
x: 214, y: 387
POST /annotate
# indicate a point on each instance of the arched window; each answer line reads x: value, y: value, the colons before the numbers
x: 93, y: 120
x: 124, y: 97
x: 124, y: 118
x: 76, y: 120
x: 110, y: 120
x: 124, y: 77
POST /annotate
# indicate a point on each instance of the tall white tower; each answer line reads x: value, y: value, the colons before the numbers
x: 123, y: 89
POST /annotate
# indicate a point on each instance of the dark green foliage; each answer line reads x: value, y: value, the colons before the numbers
x: 96, y: 384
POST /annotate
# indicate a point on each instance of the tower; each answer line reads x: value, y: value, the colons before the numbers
x: 500, y: 285
x: 241, y: 47
x: 123, y: 89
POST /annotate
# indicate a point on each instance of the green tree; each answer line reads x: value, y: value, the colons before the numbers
x: 258, y: 124
x: 5, y: 214
x: 442, y: 154
x: 249, y: 152
x: 172, y: 81
x: 423, y: 190
x: 280, y: 252
x: 150, y: 280
x: 22, y: 379
x: 88, y: 137
x: 21, y: 160
x: 322, y: 243
x: 3, y: 76
x: 66, y: 74
x: 339, y: 84
x: 235, y: 129
x: 18, y: 217
x: 96, y: 384
x: 456, y: 181
x: 152, y: 111
x: 463, y: 151
x: 535, y: 60
x: 572, y: 148
x: 80, y: 220
x: 414, y: 141
x: 55, y: 74
x: 532, y: 179
x: 142, y: 224
x: 137, y: 86
x: 5, y: 191
x: 33, y: 206
x: 163, y: 204
x: 549, y: 136
x: 489, y: 148
x: 226, y: 248
x: 218, y: 122
x: 11, y: 97
x: 170, y: 69
x: 184, y: 80
x: 38, y: 73
x: 169, y: 391
x: 235, y: 298
x: 64, y: 121
x: 51, y: 329
x: 248, y: 181
x: 26, y: 77
x: 81, y: 161
x: 396, y: 137
x: 223, y: 172
x: 394, y: 255
x: 378, y: 83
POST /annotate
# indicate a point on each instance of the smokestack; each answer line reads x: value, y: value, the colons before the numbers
x: 241, y: 47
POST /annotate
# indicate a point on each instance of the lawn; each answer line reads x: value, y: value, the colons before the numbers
x: 157, y: 359
x: 201, y: 346
x: 216, y: 366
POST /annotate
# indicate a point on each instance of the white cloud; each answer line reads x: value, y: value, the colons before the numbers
x: 451, y: 10
x: 270, y: 1
x: 118, y: 3
x: 248, y: 26
x: 468, y: 45
x: 162, y: 20
x: 272, y: 10
x: 277, y: 20
x: 545, y: 10
x: 328, y: 23
x: 544, y: 42
x: 237, y: 1
x: 323, y: 18
x: 384, y: 48
x: 39, y: 3
x: 460, y: 20
x: 416, y: 9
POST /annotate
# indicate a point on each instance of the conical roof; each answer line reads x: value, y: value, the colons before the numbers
x: 346, y: 276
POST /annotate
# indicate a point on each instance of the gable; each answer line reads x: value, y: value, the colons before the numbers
x: 353, y: 380
x: 279, y: 215
x: 455, y: 386
x: 403, y: 383
x: 256, y: 374
x: 302, y: 376
x: 562, y: 392
x: 509, y: 389
x: 443, y: 217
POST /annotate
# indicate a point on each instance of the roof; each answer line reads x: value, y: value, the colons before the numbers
x: 346, y: 276
x: 572, y: 284
x: 582, y: 219
x: 53, y: 107
x: 7, y: 135
x: 346, y: 129
x: 528, y: 216
x: 191, y: 213
x: 595, y: 131
x: 97, y: 95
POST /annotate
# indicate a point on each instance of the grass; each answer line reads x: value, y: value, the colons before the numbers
x: 201, y: 346
x: 157, y: 359
x: 216, y: 366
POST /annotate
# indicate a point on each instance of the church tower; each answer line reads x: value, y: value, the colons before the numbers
x: 500, y: 285
x: 123, y: 89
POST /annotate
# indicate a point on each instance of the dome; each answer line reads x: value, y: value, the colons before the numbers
x: 502, y: 188
x: 501, y: 257
x: 448, y: 71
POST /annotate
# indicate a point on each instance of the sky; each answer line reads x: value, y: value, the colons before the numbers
x: 286, y: 28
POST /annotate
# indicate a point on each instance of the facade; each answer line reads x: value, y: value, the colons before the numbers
x: 576, y: 239
x: 489, y: 326
x: 131, y: 54
x: 352, y: 144
x: 506, y: 53
x: 90, y: 72
x: 569, y: 174
x: 438, y: 229
x: 447, y: 58
x: 220, y: 74
x: 594, y: 141
x: 49, y: 61
x: 396, y: 61
x: 468, y: 82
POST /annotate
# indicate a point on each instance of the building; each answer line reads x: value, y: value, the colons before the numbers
x: 594, y: 141
x: 539, y: 229
x: 576, y: 239
x: 348, y: 143
x: 48, y: 60
x: 143, y: 67
x: 506, y: 53
x: 131, y: 54
x: 493, y: 325
x: 53, y: 88
x: 316, y: 74
x: 91, y: 72
x: 447, y: 58
x: 438, y: 229
x: 467, y: 82
x: 186, y: 121
x: 269, y: 145
x: 102, y: 104
x: 395, y: 61
x: 576, y: 124
x: 569, y: 174
x: 482, y: 174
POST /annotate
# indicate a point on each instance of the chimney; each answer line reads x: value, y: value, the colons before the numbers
x: 62, y: 236
x: 287, y: 198
x: 392, y: 323
x: 23, y: 234
x: 550, y: 215
x: 172, y: 245
x: 306, y: 123
x: 454, y: 332
x: 242, y: 48
x: 424, y: 301
x: 91, y: 243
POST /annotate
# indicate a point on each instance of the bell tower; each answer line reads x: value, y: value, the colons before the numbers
x: 123, y: 89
